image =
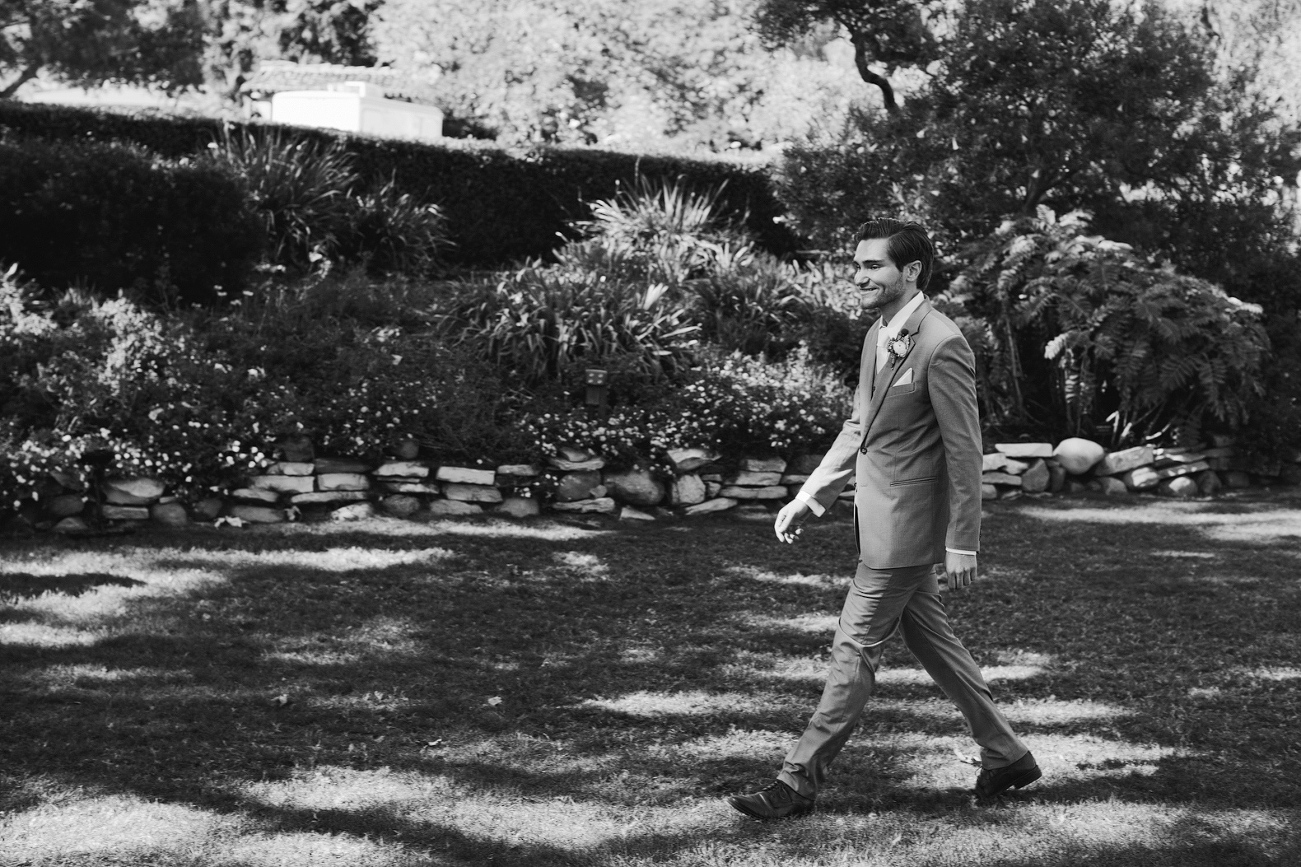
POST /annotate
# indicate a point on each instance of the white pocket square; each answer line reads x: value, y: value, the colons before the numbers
x: 905, y: 379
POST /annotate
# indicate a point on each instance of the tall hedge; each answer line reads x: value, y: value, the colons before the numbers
x: 114, y: 217
x: 501, y: 205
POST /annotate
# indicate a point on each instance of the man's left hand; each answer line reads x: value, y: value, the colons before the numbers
x: 959, y: 570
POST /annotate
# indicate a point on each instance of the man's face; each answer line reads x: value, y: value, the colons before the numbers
x: 878, y: 279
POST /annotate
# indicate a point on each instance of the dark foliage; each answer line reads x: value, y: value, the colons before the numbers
x: 114, y: 218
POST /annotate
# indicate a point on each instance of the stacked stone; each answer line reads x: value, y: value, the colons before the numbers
x: 1076, y: 464
x: 121, y: 502
x: 299, y: 484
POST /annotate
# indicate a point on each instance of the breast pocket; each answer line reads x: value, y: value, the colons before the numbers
x: 898, y: 390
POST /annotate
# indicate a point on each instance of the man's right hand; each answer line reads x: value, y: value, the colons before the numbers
x: 789, y: 519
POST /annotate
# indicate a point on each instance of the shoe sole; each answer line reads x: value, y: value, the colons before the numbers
x: 1026, y: 778
x: 742, y: 808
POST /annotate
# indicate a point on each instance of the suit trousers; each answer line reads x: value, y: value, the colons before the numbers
x: 880, y: 601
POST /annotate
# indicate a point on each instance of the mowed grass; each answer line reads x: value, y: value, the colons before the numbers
x: 586, y: 693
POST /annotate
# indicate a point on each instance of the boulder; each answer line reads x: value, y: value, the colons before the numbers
x: 804, y: 465
x: 795, y: 479
x: 1000, y: 479
x: 133, y: 492
x: 519, y: 507
x: 67, y: 481
x: 1123, y: 461
x: 342, y: 482
x: 577, y: 486
x: 712, y: 488
x: 1056, y: 477
x: 284, y: 484
x: 687, y: 460
x: 340, y: 465
x: 254, y: 495
x: 257, y: 514
x: 111, y: 512
x: 208, y: 508
x: 598, y: 505
x: 993, y: 462
x: 291, y: 468
x: 577, y: 466
x: 471, y: 493
x: 527, y: 471
x: 1110, y: 485
x: 1078, y: 455
x: 72, y: 526
x: 628, y: 513
x: 737, y: 492
x: 718, y: 504
x: 328, y: 498
x: 988, y: 492
x: 406, y: 450
x: 1179, y: 486
x: 409, y: 487
x: 763, y: 465
x: 573, y: 453
x: 634, y: 487
x: 465, y: 476
x: 453, y: 508
x: 1208, y: 483
x: 169, y: 514
x: 400, y: 505
x: 402, y: 469
x: 353, y: 512
x: 1236, y: 479
x: 1025, y: 450
x: 754, y: 478
x: 66, y: 505
x: 687, y: 490
x: 295, y: 449
x: 1035, y: 479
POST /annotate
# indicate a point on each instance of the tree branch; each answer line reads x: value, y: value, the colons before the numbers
x: 27, y: 75
x: 861, y: 57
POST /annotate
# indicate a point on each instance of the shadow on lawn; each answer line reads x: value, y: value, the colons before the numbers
x: 21, y: 585
x: 297, y: 660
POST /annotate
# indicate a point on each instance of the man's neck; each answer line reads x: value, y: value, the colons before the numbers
x: 889, y: 311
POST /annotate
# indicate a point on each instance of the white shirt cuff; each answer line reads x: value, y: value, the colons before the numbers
x: 813, y: 504
x: 957, y: 551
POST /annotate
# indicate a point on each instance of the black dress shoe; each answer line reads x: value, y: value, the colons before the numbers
x: 996, y: 781
x: 775, y: 801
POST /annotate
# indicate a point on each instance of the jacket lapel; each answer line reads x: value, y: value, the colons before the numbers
x: 889, y: 374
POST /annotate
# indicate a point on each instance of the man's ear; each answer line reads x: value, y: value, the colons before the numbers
x: 913, y: 270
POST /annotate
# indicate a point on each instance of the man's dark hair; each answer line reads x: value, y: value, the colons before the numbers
x: 906, y: 242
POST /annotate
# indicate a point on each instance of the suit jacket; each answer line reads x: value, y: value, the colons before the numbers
x: 915, y: 448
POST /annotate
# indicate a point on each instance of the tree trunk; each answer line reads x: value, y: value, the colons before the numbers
x: 27, y: 75
x: 861, y: 57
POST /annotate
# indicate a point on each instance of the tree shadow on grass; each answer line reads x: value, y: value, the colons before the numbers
x: 22, y: 585
x: 301, y: 660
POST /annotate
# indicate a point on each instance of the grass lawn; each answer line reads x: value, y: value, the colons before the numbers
x: 581, y: 692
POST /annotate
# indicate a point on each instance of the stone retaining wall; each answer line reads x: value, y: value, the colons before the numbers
x: 302, y: 486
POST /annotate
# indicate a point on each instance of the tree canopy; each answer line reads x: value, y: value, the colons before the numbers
x: 155, y: 42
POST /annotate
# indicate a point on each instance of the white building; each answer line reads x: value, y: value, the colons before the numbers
x: 355, y: 99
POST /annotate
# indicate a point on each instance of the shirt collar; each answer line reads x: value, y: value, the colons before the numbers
x: 897, y: 321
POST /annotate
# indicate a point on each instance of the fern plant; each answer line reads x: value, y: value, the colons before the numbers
x: 1155, y: 353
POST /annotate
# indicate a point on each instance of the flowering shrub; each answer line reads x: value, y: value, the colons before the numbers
x: 731, y: 403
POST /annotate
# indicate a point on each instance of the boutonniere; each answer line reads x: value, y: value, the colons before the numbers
x: 898, y: 347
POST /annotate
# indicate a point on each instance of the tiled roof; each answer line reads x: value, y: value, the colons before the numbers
x: 274, y: 76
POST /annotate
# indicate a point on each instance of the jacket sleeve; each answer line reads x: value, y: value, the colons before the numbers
x: 952, y: 386
x: 840, y: 461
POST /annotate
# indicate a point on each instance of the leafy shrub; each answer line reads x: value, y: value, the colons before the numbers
x: 311, y: 200
x: 1157, y: 353
x: 537, y: 323
x: 114, y: 218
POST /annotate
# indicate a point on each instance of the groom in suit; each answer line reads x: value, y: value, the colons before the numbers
x: 913, y: 441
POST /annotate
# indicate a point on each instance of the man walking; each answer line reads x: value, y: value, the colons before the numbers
x: 913, y: 441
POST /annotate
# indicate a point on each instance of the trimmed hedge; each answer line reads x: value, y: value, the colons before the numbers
x: 115, y: 217
x: 501, y: 206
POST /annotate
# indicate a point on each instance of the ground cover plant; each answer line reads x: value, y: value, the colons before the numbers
x: 583, y: 693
